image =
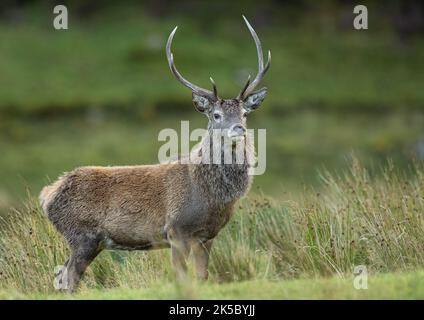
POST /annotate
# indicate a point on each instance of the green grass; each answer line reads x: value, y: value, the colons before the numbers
x: 356, y: 219
x: 381, y: 286
x: 100, y: 92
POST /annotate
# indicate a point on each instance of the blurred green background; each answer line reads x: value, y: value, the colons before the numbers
x: 100, y: 92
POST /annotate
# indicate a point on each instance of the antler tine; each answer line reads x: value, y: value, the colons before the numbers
x: 261, y: 69
x: 215, y: 90
x: 179, y: 77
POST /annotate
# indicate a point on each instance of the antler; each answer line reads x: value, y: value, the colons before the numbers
x: 250, y: 86
x: 200, y: 91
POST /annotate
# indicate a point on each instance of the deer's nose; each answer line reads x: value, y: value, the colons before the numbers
x: 237, y: 130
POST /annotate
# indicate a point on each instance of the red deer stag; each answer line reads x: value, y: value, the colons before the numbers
x: 178, y: 205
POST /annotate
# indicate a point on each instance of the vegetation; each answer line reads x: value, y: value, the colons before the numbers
x: 100, y: 92
x: 355, y: 220
x: 120, y: 62
x: 380, y: 286
x: 298, y: 145
x: 331, y: 89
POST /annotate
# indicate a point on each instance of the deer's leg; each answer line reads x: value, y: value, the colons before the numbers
x: 180, y: 250
x: 201, y: 251
x: 80, y: 259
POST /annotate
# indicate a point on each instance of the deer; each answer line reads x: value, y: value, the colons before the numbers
x: 181, y: 206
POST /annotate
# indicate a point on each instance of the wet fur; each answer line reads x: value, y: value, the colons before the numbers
x: 143, y: 207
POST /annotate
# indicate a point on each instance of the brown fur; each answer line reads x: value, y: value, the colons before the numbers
x: 177, y: 205
x: 144, y: 207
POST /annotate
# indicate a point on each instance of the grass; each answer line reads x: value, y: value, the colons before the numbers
x: 100, y: 92
x: 356, y: 220
x: 381, y: 286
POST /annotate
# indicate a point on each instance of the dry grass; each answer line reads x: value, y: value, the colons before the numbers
x: 356, y: 220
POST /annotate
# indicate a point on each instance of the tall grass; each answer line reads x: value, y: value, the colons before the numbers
x: 356, y: 220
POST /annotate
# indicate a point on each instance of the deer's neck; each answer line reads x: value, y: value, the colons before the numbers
x: 224, y: 182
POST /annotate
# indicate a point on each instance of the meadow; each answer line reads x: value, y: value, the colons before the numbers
x: 357, y: 219
x: 344, y: 184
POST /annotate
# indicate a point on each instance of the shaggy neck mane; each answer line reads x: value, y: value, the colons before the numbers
x: 223, y: 182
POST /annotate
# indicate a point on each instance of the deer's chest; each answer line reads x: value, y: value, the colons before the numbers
x: 206, y: 224
x: 209, y: 202
x: 201, y: 218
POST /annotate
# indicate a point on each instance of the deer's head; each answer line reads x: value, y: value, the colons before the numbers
x: 229, y: 115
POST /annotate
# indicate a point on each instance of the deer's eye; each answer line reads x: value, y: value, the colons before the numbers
x: 217, y: 116
x: 245, y: 115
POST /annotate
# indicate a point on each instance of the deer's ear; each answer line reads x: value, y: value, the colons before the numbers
x: 254, y: 100
x: 201, y: 103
